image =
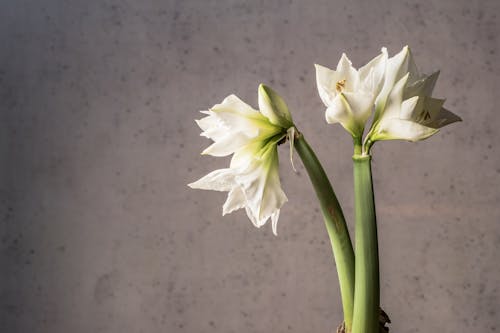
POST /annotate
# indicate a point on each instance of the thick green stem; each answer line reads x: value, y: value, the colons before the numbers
x: 335, y: 225
x: 367, y: 287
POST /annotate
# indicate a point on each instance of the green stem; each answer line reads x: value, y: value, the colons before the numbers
x: 335, y: 225
x: 367, y: 287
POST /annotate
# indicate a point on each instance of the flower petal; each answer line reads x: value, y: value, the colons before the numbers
x: 423, y: 86
x: 261, y: 185
x: 360, y: 105
x: 348, y: 73
x: 326, y: 80
x: 371, y: 75
x: 227, y: 145
x: 444, y: 118
x: 217, y: 180
x: 338, y: 112
x: 235, y: 200
x: 394, y: 101
x: 274, y: 222
x: 396, y: 68
x: 394, y: 129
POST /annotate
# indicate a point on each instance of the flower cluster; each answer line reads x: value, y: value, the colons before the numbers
x: 389, y: 88
x: 392, y: 88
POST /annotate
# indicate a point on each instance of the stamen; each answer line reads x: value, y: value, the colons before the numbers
x: 340, y: 85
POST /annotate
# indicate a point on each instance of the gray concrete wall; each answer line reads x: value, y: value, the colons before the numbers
x: 100, y: 233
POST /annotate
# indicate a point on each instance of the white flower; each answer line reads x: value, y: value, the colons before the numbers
x: 404, y: 107
x: 252, y: 178
x: 349, y: 94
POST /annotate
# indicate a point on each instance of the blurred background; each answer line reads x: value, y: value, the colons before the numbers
x: 99, y: 232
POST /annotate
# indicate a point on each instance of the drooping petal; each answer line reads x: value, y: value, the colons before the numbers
x: 252, y: 179
x: 261, y: 185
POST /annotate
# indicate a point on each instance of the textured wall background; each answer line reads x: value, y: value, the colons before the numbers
x: 100, y: 233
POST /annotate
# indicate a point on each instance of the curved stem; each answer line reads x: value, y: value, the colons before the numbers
x: 367, y: 287
x: 335, y: 225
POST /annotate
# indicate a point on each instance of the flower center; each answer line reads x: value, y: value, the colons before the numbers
x: 339, y: 86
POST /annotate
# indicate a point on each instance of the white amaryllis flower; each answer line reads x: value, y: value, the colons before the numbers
x: 252, y: 178
x: 349, y: 94
x: 404, y: 107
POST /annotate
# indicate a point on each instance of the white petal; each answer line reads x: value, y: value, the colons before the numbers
x: 218, y: 180
x: 233, y: 104
x: 338, y: 111
x: 408, y: 107
x: 274, y: 222
x: 238, y: 116
x: 228, y: 144
x: 261, y: 184
x: 372, y: 74
x: 396, y: 68
x: 235, y: 200
x: 393, y: 129
x: 255, y: 221
x: 326, y: 80
x: 244, y: 156
x: 348, y: 73
x: 361, y: 105
x: 393, y: 105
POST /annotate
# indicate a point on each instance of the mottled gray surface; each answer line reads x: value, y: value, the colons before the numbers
x: 99, y: 232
